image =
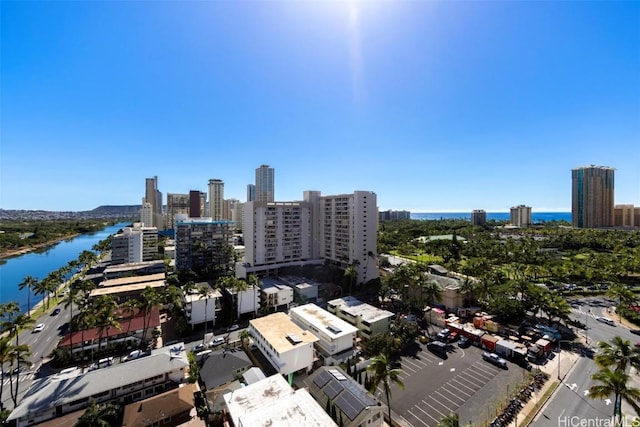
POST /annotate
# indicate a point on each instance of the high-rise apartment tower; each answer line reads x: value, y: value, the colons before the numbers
x: 265, y: 184
x: 154, y: 198
x: 216, y: 199
x: 592, y: 201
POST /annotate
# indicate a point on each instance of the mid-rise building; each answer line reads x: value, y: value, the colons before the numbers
x: 177, y: 204
x: 237, y: 215
x: 228, y: 206
x: 626, y: 216
x: 202, y: 303
x: 265, y: 190
x: 520, y: 216
x: 288, y: 347
x: 216, y: 199
x: 134, y: 244
x: 368, y: 319
x: 274, y: 295
x: 592, y: 194
x: 478, y: 217
x: 146, y: 214
x: 391, y: 215
x: 242, y: 302
x: 203, y: 244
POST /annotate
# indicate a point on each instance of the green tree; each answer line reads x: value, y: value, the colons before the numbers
x: 204, y: 292
x: 151, y: 299
x: 29, y: 283
x: 98, y: 415
x: 619, y: 353
x: 615, y: 383
x: 451, y: 420
x: 383, y: 372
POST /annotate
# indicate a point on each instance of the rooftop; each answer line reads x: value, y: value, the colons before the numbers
x: 58, y: 390
x: 280, y: 331
x: 136, y: 287
x: 357, y: 308
x: 194, y: 295
x: 132, y: 279
x: 220, y: 366
x: 132, y: 266
x: 155, y: 409
x: 323, y: 320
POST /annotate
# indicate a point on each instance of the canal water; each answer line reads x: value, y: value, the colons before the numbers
x: 43, y: 261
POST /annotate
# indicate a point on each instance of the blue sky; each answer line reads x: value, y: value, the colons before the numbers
x: 435, y: 106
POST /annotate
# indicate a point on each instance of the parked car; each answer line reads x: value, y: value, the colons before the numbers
x: 55, y: 311
x: 215, y: 342
x: 438, y: 348
x: 135, y: 354
x: 464, y: 342
x: 199, y: 347
x: 423, y: 339
x: 606, y: 320
x: 39, y: 328
x: 233, y: 327
x: 635, y: 331
x: 494, y: 359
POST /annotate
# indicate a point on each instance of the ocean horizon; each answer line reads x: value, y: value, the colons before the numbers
x: 536, y: 217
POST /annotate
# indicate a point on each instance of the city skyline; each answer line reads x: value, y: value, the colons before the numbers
x: 434, y: 106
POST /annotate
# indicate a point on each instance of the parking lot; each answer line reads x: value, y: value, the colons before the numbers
x: 461, y: 383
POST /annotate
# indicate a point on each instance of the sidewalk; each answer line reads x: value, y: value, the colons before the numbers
x: 566, y: 360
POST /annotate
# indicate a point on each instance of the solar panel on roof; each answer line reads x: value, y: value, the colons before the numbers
x: 332, y: 389
x: 322, y: 378
x: 350, y: 405
x: 334, y: 329
x: 337, y: 374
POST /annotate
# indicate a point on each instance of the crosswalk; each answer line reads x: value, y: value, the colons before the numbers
x: 589, y: 313
x: 27, y: 376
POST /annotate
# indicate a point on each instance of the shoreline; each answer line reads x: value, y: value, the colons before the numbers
x: 23, y: 251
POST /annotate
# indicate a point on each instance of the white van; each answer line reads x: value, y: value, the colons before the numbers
x: 606, y: 320
x: 135, y: 354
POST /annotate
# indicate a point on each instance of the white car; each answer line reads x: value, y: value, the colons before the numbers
x: 215, y: 342
x: 233, y: 327
x: 39, y: 328
x: 606, y: 320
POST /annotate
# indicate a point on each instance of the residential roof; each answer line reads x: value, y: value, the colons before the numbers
x: 253, y: 375
x: 350, y: 397
x: 323, y: 320
x: 444, y: 282
x: 220, y: 366
x: 157, y: 408
x: 58, y: 390
x: 286, y: 407
x: 278, y: 328
x: 131, y: 325
x: 195, y: 295
x: 132, y: 279
x: 136, y: 287
x: 132, y: 266
x: 357, y: 308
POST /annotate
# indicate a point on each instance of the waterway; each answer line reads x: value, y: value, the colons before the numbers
x: 43, y: 261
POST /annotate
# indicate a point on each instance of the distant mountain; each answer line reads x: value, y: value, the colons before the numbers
x: 116, y: 210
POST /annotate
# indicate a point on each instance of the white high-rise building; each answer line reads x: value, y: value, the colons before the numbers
x: 520, y: 216
x: 154, y: 198
x: 134, y: 244
x: 146, y: 213
x: 265, y: 191
x: 341, y: 229
x: 216, y: 199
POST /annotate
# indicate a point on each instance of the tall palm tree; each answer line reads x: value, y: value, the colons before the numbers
x: 616, y: 383
x: 98, y: 415
x: 204, y: 291
x: 29, y: 283
x: 618, y: 353
x: 244, y: 338
x: 72, y: 298
x: 5, y: 350
x: 255, y: 283
x: 351, y: 273
x: 240, y: 286
x: 432, y: 292
x: 17, y: 358
x: 104, y: 308
x: 151, y: 298
x: 383, y: 372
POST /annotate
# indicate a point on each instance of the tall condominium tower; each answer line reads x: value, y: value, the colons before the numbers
x: 520, y: 216
x: 197, y: 203
x: 176, y: 204
x: 216, y: 199
x: 478, y: 217
x: 154, y: 198
x: 264, y: 184
x: 251, y: 192
x: 592, y: 196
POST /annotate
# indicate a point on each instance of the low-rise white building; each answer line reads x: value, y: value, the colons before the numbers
x: 304, y: 289
x: 275, y: 295
x: 198, y: 308
x: 288, y: 347
x: 368, y: 319
x: 335, y: 336
x: 272, y: 402
x: 247, y: 301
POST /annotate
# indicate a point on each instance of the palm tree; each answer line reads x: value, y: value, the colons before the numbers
x: 433, y: 292
x: 150, y: 299
x: 72, y: 298
x: 244, y: 338
x: 255, y: 283
x: 129, y: 306
x: 619, y: 353
x: 351, y: 273
x: 382, y: 372
x: 204, y: 291
x: 104, y: 309
x: 17, y: 357
x: 5, y: 350
x: 240, y: 286
x: 98, y: 415
x: 616, y: 383
x: 29, y: 283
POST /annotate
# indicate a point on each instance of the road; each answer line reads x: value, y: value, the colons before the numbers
x: 571, y: 405
x: 41, y: 344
